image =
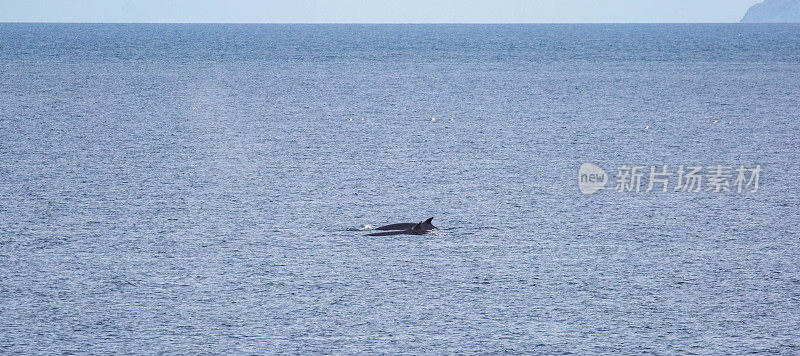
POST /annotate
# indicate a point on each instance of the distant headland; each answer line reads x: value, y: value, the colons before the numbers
x: 774, y: 11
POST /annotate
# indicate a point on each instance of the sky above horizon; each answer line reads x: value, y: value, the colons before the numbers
x: 371, y: 11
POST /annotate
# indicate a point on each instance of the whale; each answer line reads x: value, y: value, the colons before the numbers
x: 419, y: 228
x: 406, y: 226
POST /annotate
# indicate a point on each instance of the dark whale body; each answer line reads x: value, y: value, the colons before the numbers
x: 427, y: 225
x: 400, y: 226
x: 419, y: 228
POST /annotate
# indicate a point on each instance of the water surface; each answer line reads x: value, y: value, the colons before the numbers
x: 174, y: 188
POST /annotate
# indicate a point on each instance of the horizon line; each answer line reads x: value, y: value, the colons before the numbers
x: 377, y: 23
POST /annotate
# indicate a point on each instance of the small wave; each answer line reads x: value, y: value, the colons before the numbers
x: 362, y: 228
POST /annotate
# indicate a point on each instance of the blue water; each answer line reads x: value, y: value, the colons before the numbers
x: 201, y: 188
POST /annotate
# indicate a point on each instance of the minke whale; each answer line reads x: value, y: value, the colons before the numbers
x: 419, y: 228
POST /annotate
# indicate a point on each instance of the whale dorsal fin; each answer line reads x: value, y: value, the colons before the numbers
x: 417, y: 227
x: 429, y: 220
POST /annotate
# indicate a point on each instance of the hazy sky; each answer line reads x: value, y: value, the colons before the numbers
x: 371, y: 11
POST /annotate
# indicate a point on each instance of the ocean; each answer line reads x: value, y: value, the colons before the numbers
x: 185, y: 189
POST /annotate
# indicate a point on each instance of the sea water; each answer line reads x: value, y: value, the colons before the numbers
x: 208, y: 188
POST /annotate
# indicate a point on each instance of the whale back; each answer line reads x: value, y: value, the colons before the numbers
x: 407, y: 228
x: 401, y: 226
